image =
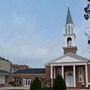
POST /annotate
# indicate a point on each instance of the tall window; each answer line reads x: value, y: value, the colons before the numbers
x: 28, y: 81
x: 58, y: 71
x: 81, y: 74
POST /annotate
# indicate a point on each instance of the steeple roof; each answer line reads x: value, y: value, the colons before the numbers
x: 69, y: 18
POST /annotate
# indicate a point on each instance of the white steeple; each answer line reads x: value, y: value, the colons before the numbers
x: 69, y: 34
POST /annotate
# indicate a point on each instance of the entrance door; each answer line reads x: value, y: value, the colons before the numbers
x: 69, y: 79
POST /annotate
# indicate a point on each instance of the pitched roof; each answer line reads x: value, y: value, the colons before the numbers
x: 4, y: 72
x: 65, y: 59
x: 31, y: 71
x: 1, y: 58
x: 69, y: 18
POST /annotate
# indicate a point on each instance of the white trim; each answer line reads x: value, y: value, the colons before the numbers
x: 67, y: 64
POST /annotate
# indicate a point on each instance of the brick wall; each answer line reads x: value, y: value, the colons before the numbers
x: 42, y: 77
x: 70, y: 49
x: 47, y: 71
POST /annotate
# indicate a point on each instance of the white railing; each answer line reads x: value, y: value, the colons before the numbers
x: 14, y: 88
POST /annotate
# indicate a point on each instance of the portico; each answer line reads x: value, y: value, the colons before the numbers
x: 74, y: 72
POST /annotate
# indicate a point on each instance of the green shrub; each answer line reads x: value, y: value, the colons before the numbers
x: 35, y: 84
x: 46, y: 88
x: 59, y: 83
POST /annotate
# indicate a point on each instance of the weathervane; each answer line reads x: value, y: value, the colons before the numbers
x: 87, y: 11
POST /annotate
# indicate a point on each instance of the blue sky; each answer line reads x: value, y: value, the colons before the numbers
x: 31, y: 31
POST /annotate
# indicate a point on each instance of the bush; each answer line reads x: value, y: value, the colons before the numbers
x: 35, y: 84
x: 59, y: 83
x: 46, y: 88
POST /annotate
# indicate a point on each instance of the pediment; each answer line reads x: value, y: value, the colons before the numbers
x: 70, y: 58
x: 67, y: 59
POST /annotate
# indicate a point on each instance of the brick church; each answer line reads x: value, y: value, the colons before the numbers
x: 73, y: 68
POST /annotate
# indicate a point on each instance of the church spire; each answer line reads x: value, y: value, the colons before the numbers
x: 69, y: 18
x: 69, y: 35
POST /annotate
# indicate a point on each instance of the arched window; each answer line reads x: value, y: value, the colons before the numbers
x: 69, y: 41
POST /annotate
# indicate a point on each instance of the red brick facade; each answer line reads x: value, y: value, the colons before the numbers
x: 70, y: 49
x: 16, y: 67
x: 42, y: 77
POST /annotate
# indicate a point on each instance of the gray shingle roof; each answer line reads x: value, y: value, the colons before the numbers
x: 1, y: 58
x: 31, y: 71
x: 69, y: 18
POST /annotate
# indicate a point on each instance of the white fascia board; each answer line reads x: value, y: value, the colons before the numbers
x: 67, y: 64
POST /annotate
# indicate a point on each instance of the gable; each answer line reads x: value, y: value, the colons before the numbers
x: 70, y: 58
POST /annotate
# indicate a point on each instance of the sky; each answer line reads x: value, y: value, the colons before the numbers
x: 31, y: 31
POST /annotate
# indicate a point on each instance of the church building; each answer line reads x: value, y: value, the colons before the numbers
x: 74, y: 69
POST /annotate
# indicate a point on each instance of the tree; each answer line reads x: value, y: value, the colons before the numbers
x: 59, y: 83
x: 87, y: 11
x: 35, y: 84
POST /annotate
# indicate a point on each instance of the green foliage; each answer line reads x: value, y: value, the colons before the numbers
x: 46, y: 88
x: 59, y: 83
x: 36, y: 84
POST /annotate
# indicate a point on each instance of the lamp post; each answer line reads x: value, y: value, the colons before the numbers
x: 87, y: 11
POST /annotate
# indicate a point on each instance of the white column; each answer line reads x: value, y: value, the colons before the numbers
x: 74, y: 75
x: 63, y: 71
x: 51, y: 72
x: 86, y: 75
x: 54, y: 73
x: 51, y: 76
